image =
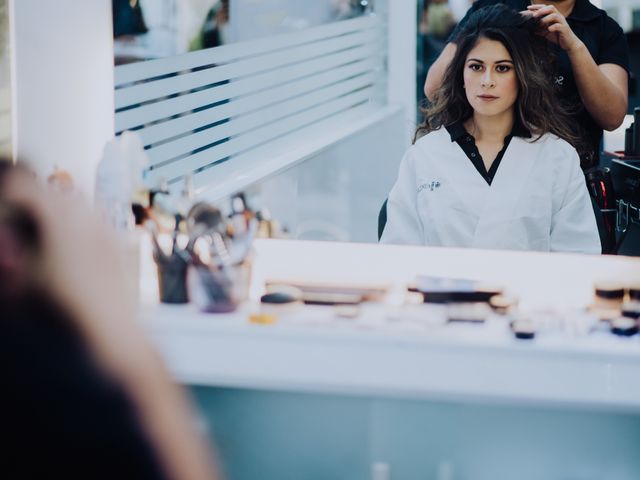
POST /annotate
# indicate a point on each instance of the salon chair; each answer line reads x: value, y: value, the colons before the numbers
x: 382, y: 218
x: 603, y: 200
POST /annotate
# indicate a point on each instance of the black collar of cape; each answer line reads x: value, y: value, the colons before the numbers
x: 457, y: 130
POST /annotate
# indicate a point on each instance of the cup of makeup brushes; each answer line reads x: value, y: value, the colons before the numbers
x: 172, y: 278
x: 210, y: 289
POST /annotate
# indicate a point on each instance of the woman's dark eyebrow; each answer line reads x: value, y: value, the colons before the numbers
x: 482, y: 61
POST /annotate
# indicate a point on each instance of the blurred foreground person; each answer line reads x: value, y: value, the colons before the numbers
x: 84, y: 395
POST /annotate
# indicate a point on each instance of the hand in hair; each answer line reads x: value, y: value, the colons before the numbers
x: 555, y: 26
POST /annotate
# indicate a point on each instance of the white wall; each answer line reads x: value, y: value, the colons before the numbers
x: 337, y: 194
x: 621, y: 10
x: 402, y: 37
x: 63, y: 54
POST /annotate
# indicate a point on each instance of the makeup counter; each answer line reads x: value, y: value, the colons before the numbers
x: 392, y: 389
x: 356, y: 360
x: 399, y: 347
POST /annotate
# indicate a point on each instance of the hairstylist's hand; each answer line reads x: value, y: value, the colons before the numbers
x: 556, y: 28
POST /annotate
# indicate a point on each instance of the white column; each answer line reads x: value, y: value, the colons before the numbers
x: 63, y: 63
x: 402, y: 16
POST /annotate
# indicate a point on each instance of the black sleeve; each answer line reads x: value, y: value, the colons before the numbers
x: 475, y: 6
x: 613, y: 46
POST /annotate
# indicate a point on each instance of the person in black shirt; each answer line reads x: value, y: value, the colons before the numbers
x: 591, y: 70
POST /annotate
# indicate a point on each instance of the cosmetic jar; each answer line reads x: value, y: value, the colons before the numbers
x: 172, y: 279
x: 280, y: 301
x: 604, y: 314
x: 608, y: 295
x: 624, y: 326
x: 503, y: 304
x: 634, y: 293
x: 346, y: 311
x: 631, y: 309
x: 263, y: 318
x: 471, y: 312
x: 523, y: 329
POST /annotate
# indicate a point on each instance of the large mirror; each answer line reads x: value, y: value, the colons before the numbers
x: 320, y: 198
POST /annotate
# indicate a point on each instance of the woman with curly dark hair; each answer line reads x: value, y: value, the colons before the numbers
x: 494, y: 165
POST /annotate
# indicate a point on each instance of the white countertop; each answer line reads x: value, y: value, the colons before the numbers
x: 410, y: 352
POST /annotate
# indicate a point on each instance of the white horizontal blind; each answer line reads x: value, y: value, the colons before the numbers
x: 205, y: 108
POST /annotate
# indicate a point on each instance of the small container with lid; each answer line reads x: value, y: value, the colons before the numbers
x: 276, y: 302
x: 470, y: 312
x: 624, y: 326
x: 523, y: 329
x: 604, y: 314
x: 608, y: 295
x: 631, y: 309
x: 503, y: 304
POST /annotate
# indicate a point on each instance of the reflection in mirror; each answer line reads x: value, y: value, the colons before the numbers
x: 607, y: 177
x: 495, y: 163
x: 148, y: 29
x: 5, y: 83
x: 283, y: 109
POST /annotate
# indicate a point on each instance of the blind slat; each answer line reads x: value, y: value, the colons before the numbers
x: 188, y: 123
x: 134, y: 72
x: 246, y: 123
x: 182, y: 83
x: 216, y: 183
x: 199, y: 112
x: 176, y: 169
x: 365, y: 56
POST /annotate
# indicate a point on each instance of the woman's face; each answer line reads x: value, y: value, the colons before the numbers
x: 490, y: 80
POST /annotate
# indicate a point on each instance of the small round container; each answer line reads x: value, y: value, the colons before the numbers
x: 503, y: 304
x: 346, y: 311
x: 624, y: 326
x: 604, y: 314
x: 473, y: 312
x: 172, y: 279
x: 634, y: 293
x: 523, y: 329
x: 608, y: 295
x: 280, y: 300
x: 631, y: 309
x: 263, y: 318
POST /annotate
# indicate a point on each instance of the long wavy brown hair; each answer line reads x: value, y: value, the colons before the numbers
x: 536, y: 107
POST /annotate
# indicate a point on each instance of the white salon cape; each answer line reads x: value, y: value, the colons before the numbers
x: 538, y: 199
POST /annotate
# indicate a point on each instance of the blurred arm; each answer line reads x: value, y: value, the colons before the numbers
x: 436, y: 72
